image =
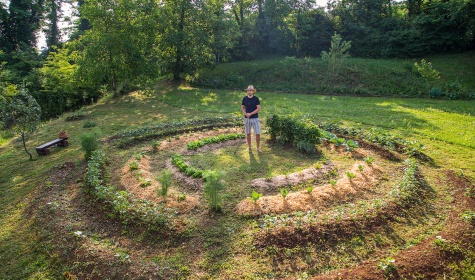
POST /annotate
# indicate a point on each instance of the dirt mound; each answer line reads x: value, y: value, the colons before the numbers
x: 319, y: 198
x: 297, y: 178
x: 132, y: 184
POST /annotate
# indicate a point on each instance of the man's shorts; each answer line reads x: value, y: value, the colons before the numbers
x: 254, y: 123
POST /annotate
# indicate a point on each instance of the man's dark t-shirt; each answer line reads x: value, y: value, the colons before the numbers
x: 251, y: 105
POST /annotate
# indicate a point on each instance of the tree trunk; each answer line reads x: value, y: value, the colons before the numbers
x: 114, y: 83
x: 22, y: 136
x: 176, y: 72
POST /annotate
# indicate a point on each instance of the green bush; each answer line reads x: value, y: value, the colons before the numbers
x: 211, y: 188
x: 89, y: 143
x: 305, y: 147
x: 165, y: 179
x: 435, y: 92
x: 293, y: 129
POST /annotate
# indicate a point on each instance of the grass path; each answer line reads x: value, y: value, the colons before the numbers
x: 447, y: 128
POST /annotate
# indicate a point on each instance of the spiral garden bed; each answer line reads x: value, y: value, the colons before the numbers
x: 339, y: 196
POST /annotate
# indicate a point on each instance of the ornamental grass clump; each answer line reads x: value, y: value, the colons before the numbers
x: 211, y: 188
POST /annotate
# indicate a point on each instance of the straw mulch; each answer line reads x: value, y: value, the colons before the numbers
x: 294, y: 179
x: 192, y: 184
x: 320, y: 198
x: 131, y: 183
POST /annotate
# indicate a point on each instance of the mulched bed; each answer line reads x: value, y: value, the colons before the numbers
x: 426, y: 260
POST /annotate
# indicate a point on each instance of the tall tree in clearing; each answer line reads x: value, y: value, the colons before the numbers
x: 119, y: 48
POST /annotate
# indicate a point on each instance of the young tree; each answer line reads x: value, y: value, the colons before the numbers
x: 53, y: 14
x: 18, y: 106
x: 336, y: 56
x: 429, y: 74
x: 211, y: 188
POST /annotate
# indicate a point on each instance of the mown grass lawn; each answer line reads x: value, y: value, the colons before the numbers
x: 446, y: 128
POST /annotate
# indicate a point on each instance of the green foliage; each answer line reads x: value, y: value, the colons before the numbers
x: 133, y: 165
x: 165, y: 179
x: 284, y: 193
x: 221, y: 138
x: 305, y: 147
x: 309, y: 189
x: 89, y: 123
x: 138, y: 210
x: 293, y: 130
x: 387, y: 265
x: 255, y: 196
x: 78, y: 115
x: 351, y: 145
x: 350, y: 175
x: 155, y: 144
x: 368, y: 160
x: 336, y: 57
x: 211, y: 188
x: 361, y: 168
x: 89, y: 143
x: 333, y: 183
x: 429, y: 74
x: 20, y: 108
x: 120, y: 46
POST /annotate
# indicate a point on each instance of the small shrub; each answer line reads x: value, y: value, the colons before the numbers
x: 361, y: 168
x: 212, y: 187
x: 435, y: 92
x: 350, y: 175
x: 305, y: 147
x: 309, y: 189
x: 133, y: 165
x: 89, y: 123
x: 165, y: 179
x: 155, y: 144
x: 282, y: 140
x: 89, y: 143
x: 368, y: 160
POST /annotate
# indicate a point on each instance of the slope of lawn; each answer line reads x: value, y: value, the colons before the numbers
x: 358, y: 76
x: 446, y: 128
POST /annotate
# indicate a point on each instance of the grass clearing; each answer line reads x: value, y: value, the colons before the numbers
x: 217, y: 245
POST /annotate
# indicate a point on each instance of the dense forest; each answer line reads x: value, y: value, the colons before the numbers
x: 122, y: 45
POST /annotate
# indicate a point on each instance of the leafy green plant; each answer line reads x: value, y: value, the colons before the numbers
x: 361, y: 168
x: 89, y: 143
x: 255, y: 196
x: 284, y: 193
x: 211, y: 188
x: 181, y: 196
x: 469, y: 216
x: 333, y: 183
x: 144, y: 182
x: 165, y: 179
x: 350, y: 175
x: 387, y: 265
x: 368, y: 160
x: 440, y: 242
x: 351, y: 145
x: 133, y: 165
x: 309, y: 189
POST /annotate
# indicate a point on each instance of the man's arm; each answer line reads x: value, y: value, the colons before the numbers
x: 248, y: 115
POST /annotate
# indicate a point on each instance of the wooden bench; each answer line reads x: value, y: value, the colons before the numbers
x: 43, y: 149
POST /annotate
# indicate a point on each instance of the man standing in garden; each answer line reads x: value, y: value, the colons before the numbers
x: 250, y: 107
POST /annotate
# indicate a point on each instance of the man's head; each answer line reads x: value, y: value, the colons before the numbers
x: 250, y: 91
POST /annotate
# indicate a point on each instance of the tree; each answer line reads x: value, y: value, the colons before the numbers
x: 53, y: 14
x: 184, y: 41
x: 429, y: 74
x: 22, y: 22
x: 18, y: 106
x: 119, y: 48
x: 211, y: 188
x: 336, y: 56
